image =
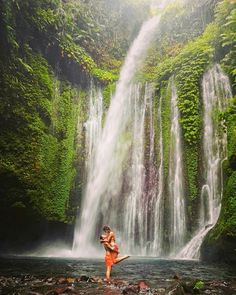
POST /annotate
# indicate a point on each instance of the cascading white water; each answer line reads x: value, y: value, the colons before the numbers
x: 93, y: 125
x: 134, y: 225
x: 216, y: 93
x: 157, y: 200
x: 177, y: 228
x: 105, y: 180
x: 93, y: 128
x: 142, y: 232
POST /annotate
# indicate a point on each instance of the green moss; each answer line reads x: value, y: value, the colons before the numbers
x: 57, y: 154
x: 166, y: 123
x: 229, y: 205
x: 107, y: 92
x: 75, y: 52
x: 226, y: 19
x: 103, y: 75
x: 226, y: 225
x: 190, y: 66
x: 191, y: 154
x: 38, y: 140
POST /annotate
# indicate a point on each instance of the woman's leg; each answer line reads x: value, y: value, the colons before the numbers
x: 108, y: 273
x: 119, y: 259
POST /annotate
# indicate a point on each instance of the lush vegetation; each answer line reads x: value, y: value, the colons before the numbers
x: 50, y: 50
x: 37, y: 142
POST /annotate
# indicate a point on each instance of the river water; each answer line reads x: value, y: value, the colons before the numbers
x: 155, y: 272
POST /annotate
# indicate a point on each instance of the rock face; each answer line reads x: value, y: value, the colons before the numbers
x: 220, y: 250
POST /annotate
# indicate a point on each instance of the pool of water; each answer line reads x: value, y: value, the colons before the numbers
x: 132, y: 269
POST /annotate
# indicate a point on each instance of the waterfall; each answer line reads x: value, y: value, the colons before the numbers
x: 93, y: 125
x: 93, y: 129
x: 135, y: 221
x: 105, y: 180
x: 177, y: 228
x: 215, y: 93
x: 158, y: 201
x: 142, y: 220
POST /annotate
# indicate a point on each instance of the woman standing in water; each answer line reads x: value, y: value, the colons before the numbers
x: 112, y: 250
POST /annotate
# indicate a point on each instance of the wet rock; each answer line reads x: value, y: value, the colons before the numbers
x: 91, y: 280
x: 84, y: 278
x: 62, y: 281
x: 36, y: 282
x: 58, y: 291
x: 3, y: 282
x: 49, y: 280
x: 176, y: 277
x: 97, y: 280
x: 108, y: 291
x: 176, y: 290
x: 216, y: 284
x: 119, y: 283
x: 27, y: 278
x: 70, y: 280
x: 142, y: 286
x: 131, y: 289
x: 70, y: 289
x: 189, y: 287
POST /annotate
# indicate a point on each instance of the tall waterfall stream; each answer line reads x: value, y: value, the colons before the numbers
x: 121, y: 139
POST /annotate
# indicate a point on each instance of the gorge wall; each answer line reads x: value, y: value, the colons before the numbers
x: 49, y: 57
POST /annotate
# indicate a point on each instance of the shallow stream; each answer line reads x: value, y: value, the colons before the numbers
x: 26, y: 274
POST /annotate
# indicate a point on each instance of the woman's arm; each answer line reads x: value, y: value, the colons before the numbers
x: 110, y: 237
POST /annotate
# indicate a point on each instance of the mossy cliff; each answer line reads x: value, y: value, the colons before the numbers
x: 50, y: 50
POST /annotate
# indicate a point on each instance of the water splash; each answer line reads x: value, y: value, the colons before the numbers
x: 216, y: 93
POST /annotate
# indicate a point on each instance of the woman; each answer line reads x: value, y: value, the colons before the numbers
x: 112, y: 251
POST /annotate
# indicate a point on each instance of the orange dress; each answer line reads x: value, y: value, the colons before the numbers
x: 110, y: 258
